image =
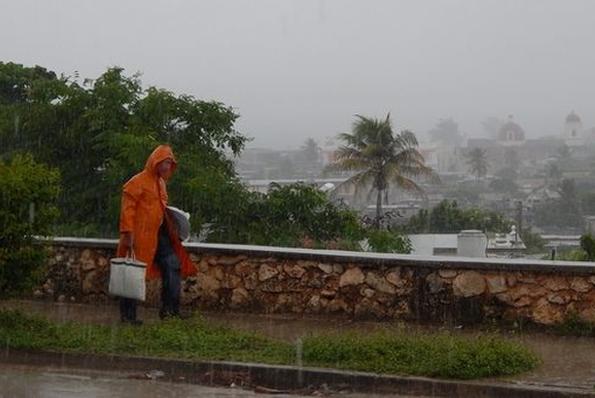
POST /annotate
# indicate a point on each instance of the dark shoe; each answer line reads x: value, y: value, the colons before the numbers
x: 171, y: 315
x: 132, y: 322
x: 182, y: 316
x: 164, y: 314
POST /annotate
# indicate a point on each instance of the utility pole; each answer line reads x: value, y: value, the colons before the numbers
x: 519, y: 219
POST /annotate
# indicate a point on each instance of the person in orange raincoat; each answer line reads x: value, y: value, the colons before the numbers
x: 148, y: 232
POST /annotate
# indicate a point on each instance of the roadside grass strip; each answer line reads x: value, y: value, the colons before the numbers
x: 440, y: 355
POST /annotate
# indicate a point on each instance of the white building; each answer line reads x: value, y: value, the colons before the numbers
x: 573, y: 134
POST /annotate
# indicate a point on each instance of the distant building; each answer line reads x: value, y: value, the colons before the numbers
x: 401, y: 211
x: 511, y: 134
x: 263, y: 186
x: 572, y: 134
x: 501, y: 245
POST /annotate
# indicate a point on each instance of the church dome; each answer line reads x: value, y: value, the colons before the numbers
x: 573, y: 118
x: 511, y: 131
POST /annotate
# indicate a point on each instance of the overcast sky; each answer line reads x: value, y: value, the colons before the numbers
x: 303, y: 68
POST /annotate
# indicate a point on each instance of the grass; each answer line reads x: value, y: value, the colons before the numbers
x: 434, y: 355
x: 573, y: 325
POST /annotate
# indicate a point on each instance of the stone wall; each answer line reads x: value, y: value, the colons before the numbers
x: 383, y: 286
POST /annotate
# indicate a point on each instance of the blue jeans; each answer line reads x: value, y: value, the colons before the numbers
x: 169, y: 264
x: 127, y: 309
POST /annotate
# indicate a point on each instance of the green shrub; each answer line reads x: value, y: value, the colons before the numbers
x: 573, y: 325
x: 448, y: 217
x: 29, y: 192
x: 388, y: 241
x: 288, y: 216
x: 588, y: 245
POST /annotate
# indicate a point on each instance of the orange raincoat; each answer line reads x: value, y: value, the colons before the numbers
x: 144, y: 199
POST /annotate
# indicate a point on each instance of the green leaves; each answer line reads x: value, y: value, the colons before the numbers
x: 384, y: 241
x: 28, y: 193
x: 381, y: 158
x: 100, y: 134
x: 477, y: 161
x: 286, y: 216
x: 448, y: 217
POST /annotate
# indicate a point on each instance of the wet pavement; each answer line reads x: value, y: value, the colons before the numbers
x: 567, y: 361
x: 27, y: 382
x: 36, y: 382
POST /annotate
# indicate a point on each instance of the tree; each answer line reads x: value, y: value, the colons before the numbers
x: 29, y: 193
x: 286, y: 216
x: 563, y: 212
x: 564, y: 152
x: 506, y: 179
x: 448, y: 217
x: 504, y: 185
x: 552, y: 174
x: 101, y: 134
x: 311, y: 151
x: 380, y: 158
x: 447, y: 133
x: 478, y: 164
x: 568, y: 196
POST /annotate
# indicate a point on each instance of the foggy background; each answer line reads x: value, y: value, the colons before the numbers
x: 303, y: 68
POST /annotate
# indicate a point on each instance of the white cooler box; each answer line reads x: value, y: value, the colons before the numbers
x: 127, y: 278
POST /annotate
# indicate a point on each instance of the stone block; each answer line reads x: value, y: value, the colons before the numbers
x: 379, y: 283
x: 448, y: 273
x: 545, y: 313
x: 208, y: 283
x: 294, y: 270
x: 434, y: 283
x: 394, y: 278
x: 580, y: 284
x: 326, y: 268
x: 562, y: 297
x: 469, y: 284
x: 337, y: 305
x: 239, y: 297
x: 231, y: 260
x: 266, y: 272
x: 496, y: 284
x: 353, y: 276
x: 338, y: 269
x: 555, y: 283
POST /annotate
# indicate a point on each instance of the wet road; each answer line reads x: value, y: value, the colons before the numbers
x: 28, y: 382
x: 24, y: 382
x: 567, y: 361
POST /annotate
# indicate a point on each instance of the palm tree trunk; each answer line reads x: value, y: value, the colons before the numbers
x: 378, y: 208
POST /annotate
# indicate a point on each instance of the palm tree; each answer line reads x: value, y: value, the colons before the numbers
x: 478, y: 164
x: 311, y: 151
x: 380, y: 157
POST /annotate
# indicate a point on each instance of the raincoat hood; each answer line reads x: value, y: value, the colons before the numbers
x: 161, y: 153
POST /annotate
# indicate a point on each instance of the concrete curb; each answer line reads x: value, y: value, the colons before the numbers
x: 285, y: 377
